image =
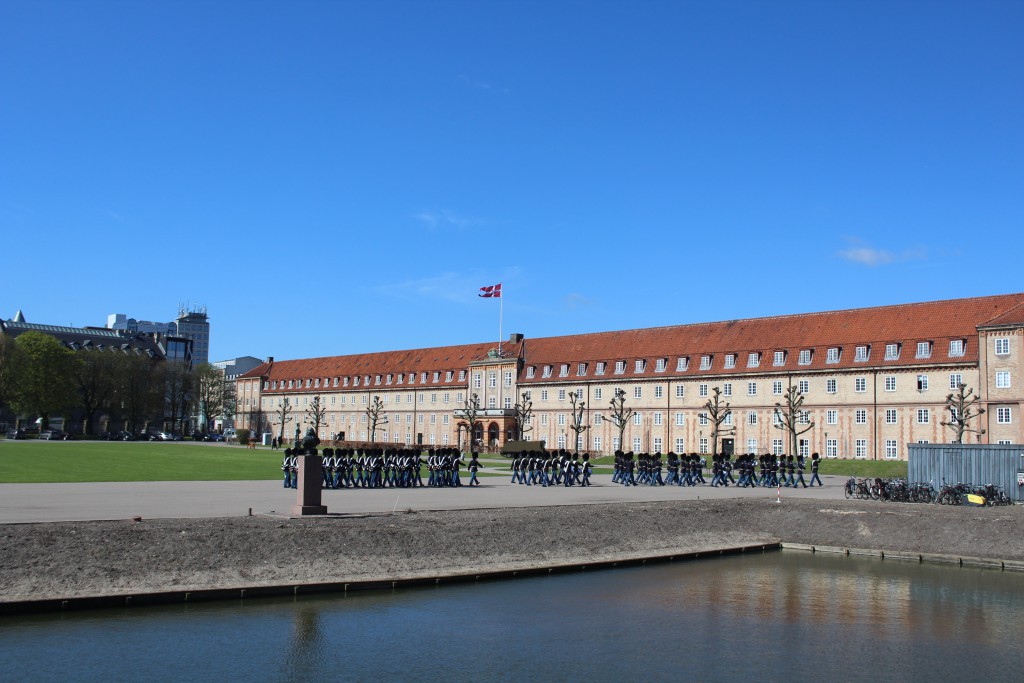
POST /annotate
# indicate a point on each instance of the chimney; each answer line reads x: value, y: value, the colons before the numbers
x: 270, y: 359
x: 515, y: 338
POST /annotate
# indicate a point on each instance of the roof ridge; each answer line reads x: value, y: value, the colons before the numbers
x: 1002, y: 315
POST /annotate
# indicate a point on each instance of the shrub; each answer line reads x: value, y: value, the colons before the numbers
x: 243, y: 436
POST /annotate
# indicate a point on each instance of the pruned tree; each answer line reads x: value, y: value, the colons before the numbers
x: 376, y: 417
x: 178, y: 386
x: 283, y: 412
x: 213, y: 392
x: 523, y: 416
x: 316, y: 414
x: 7, y: 356
x: 95, y: 378
x: 42, y: 383
x: 577, y: 425
x: 718, y: 415
x: 138, y: 396
x: 470, y: 412
x: 963, y: 407
x: 791, y: 418
x: 619, y: 414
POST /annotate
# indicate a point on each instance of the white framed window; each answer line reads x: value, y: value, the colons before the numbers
x: 1004, y: 416
x: 492, y: 380
x: 598, y: 393
x: 639, y: 365
x: 776, y: 446
x: 860, y: 384
x: 657, y: 444
x: 727, y: 389
x: 543, y: 420
x: 599, y: 370
x: 637, y: 443
x: 957, y: 347
x: 924, y: 349
x: 563, y: 370
x: 804, y: 417
x: 922, y: 382
x: 833, y: 354
x: 702, y: 418
x: 508, y: 379
x: 680, y: 444
x: 478, y: 381
x: 830, y: 385
x: 861, y: 354
x: 924, y: 416
x: 561, y: 394
x: 890, y: 416
x: 805, y: 357
x: 561, y: 419
x: 659, y: 391
x: 753, y: 359
x: 955, y: 380
x: 620, y: 367
x: 831, y: 448
x: 892, y: 351
x: 598, y: 419
x: 597, y: 443
x: 730, y: 361
x: 1002, y: 379
x: 659, y: 365
x: 531, y: 371
x: 705, y: 362
x: 680, y: 419
x: 803, y: 386
x: 702, y: 389
x: 508, y: 402
x: 727, y: 420
x: 860, y: 416
x: 751, y: 445
x: 779, y: 358
x: 682, y: 364
x: 543, y: 394
x: 638, y: 392
x: 890, y: 449
x: 546, y: 371
x: 861, y: 448
x: 751, y: 388
x: 890, y: 383
x: 1002, y: 345
x: 777, y: 387
x: 776, y: 417
x: 638, y: 419
x: 831, y: 417
x: 751, y: 418
x: 657, y: 419
x: 680, y: 391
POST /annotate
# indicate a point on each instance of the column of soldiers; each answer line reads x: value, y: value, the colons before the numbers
x: 688, y: 470
x: 384, y: 467
x: 541, y: 468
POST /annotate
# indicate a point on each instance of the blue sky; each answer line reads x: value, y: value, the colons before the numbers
x: 341, y: 177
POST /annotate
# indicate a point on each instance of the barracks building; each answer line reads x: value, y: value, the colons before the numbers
x: 874, y: 380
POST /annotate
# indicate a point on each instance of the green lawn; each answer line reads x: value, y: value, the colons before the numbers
x: 864, y: 468
x: 78, y: 461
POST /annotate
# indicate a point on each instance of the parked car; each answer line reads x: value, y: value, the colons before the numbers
x: 56, y: 435
x: 168, y: 436
x: 215, y: 437
x: 15, y: 434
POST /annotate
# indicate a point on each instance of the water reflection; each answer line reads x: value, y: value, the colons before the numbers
x: 777, y: 616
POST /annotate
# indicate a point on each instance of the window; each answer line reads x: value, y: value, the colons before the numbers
x: 923, y: 416
x: 492, y: 380
x: 561, y: 394
x: 433, y: 398
x: 730, y: 360
x: 702, y: 418
x: 530, y: 372
x: 831, y: 448
x: 702, y: 389
x: 597, y: 443
x: 1002, y: 346
x: 776, y: 446
x: 727, y: 420
x: 804, y: 417
x: 508, y: 379
x: 598, y: 419
x: 861, y: 416
x: 832, y: 355
x: 704, y: 445
x: 751, y: 388
x: 561, y: 419
x: 805, y: 357
x: 751, y: 445
x: 803, y: 386
x: 831, y: 417
x: 638, y: 392
x: 546, y: 372
x: 680, y: 419
x: 777, y: 387
x: 779, y: 358
x: 955, y: 380
x: 598, y: 394
x: 890, y: 416
x: 543, y: 394
x: 753, y: 359
x: 727, y: 389
x: 751, y: 418
x: 861, y: 448
x: 924, y: 349
x: 682, y: 364
x: 860, y: 384
x: 638, y: 418
x: 600, y: 368
x: 1003, y: 416
x: 830, y: 386
x: 957, y: 347
x: 861, y: 354
x: 581, y: 369
x: 477, y: 380
x: 659, y: 365
x: 705, y: 362
x: 620, y: 367
x: 658, y: 391
x: 563, y: 370
x: 922, y: 382
x: 892, y: 351
x: 543, y: 420
x: 680, y: 391
x: 680, y: 444
x: 1002, y: 380
x: 657, y: 419
x: 462, y: 375
x: 776, y: 417
x: 890, y: 449
x: 890, y: 384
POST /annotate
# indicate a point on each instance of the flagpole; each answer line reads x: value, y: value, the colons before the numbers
x: 501, y: 306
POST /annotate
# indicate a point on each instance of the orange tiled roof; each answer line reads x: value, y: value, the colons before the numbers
x: 936, y: 322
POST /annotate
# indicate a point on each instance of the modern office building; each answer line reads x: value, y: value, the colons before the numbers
x: 190, y: 324
x: 873, y: 380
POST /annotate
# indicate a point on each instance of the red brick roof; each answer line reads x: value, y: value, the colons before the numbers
x: 935, y: 322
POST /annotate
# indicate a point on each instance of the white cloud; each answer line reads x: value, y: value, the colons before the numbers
x: 872, y: 257
x: 445, y: 218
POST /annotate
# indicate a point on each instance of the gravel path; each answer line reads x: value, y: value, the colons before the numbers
x: 70, y: 559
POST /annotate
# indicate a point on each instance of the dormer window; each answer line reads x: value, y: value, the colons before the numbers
x: 563, y: 370
x: 390, y: 378
x: 779, y: 358
x: 344, y: 381
x: 682, y: 364
x: 547, y: 371
x: 705, y: 362
x: 805, y: 357
x: 957, y: 347
x: 449, y: 376
x: 861, y: 354
x: 892, y: 351
x: 309, y: 383
x: 730, y: 360
x: 423, y: 378
x: 355, y: 381
x: 753, y: 359
x: 377, y: 380
x: 317, y: 382
x: 924, y: 349
x: 600, y: 368
x: 620, y: 367
x: 530, y: 372
x: 581, y: 370
x: 462, y: 375
x: 833, y: 354
x: 335, y: 383
x: 659, y: 365
x: 639, y: 365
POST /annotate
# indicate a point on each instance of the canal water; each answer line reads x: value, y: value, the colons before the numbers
x: 780, y: 616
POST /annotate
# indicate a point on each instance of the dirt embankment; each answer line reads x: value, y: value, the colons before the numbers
x: 71, y: 559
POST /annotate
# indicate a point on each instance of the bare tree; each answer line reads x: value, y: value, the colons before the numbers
x: 524, y: 416
x: 212, y: 391
x: 316, y: 414
x: 577, y: 425
x: 718, y: 414
x: 95, y: 378
x: 470, y: 412
x: 963, y: 407
x: 283, y: 412
x: 619, y: 414
x: 177, y: 384
x: 376, y: 417
x: 791, y: 418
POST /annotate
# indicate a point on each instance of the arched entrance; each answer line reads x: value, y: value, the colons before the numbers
x: 492, y: 436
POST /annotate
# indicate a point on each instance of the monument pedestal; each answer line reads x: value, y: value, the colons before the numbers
x: 309, y: 487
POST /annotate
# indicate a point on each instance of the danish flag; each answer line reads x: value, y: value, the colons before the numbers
x: 490, y: 292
